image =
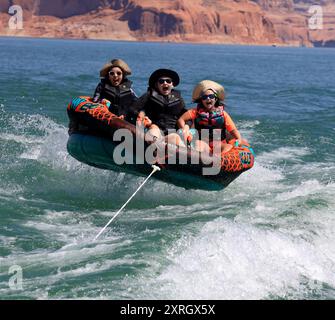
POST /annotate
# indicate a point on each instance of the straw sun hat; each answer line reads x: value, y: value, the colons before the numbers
x: 115, y: 63
x: 204, y: 85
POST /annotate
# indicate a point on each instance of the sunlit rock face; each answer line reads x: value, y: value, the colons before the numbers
x: 268, y: 22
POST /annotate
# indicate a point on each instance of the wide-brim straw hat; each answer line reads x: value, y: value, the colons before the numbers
x: 115, y: 63
x: 204, y: 85
x: 163, y: 73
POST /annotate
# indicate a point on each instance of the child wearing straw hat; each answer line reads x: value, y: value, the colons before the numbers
x: 209, y: 114
x: 115, y: 87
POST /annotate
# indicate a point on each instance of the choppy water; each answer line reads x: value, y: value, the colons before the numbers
x: 269, y: 235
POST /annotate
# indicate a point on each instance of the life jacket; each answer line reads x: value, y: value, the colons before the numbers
x: 211, y: 120
x: 167, y: 104
x: 120, y: 97
x: 164, y: 111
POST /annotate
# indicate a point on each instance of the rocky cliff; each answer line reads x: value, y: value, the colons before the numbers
x: 268, y: 22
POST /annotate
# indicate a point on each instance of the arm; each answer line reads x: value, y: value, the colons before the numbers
x: 138, y: 113
x: 188, y: 122
x: 186, y: 116
x: 134, y: 96
x: 236, y: 134
x: 231, y: 128
x: 181, y: 123
x: 127, y: 111
x: 138, y: 105
x: 97, y: 96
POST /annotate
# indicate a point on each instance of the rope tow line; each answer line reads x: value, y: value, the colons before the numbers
x: 154, y: 169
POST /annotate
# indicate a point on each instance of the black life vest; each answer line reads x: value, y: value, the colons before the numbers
x: 121, y: 97
x: 164, y: 111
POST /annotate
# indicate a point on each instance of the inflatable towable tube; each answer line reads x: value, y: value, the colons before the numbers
x: 94, y: 140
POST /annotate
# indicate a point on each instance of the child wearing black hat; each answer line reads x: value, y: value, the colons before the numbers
x: 161, y: 106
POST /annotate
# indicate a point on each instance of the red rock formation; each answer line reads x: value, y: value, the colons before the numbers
x: 281, y: 22
x: 283, y: 5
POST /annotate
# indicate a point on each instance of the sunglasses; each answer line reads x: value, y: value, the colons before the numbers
x: 162, y: 80
x: 111, y: 73
x: 206, y: 96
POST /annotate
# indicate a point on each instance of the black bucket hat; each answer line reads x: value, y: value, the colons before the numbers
x: 163, y: 73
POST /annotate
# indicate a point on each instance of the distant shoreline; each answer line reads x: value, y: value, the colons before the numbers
x: 163, y: 41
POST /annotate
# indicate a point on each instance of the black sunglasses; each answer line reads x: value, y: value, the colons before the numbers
x: 162, y: 80
x: 111, y: 73
x: 206, y: 96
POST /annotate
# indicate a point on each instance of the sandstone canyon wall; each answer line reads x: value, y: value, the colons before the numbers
x: 264, y: 22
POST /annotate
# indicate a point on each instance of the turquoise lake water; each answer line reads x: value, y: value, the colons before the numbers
x: 269, y: 235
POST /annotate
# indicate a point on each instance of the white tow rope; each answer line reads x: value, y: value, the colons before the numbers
x: 155, y: 168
